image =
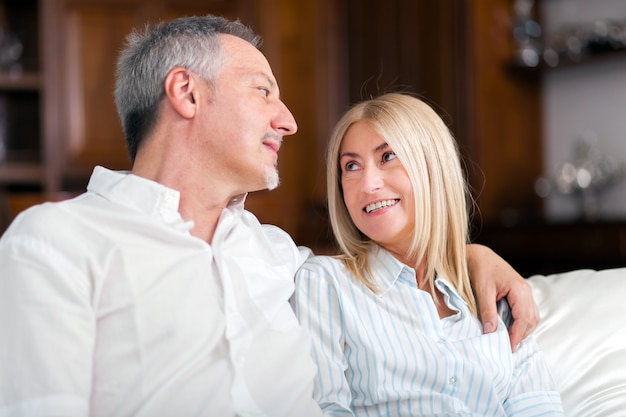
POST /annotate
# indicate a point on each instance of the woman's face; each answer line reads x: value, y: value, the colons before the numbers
x: 376, y: 188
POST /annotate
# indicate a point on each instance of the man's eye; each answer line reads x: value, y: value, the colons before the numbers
x: 388, y: 156
x: 265, y: 91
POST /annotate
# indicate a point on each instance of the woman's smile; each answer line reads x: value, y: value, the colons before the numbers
x: 373, y: 207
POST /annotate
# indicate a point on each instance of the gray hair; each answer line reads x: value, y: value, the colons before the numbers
x: 189, y: 42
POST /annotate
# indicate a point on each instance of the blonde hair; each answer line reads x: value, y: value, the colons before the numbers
x: 428, y: 152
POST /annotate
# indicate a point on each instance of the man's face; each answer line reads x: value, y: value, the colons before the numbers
x: 246, y: 120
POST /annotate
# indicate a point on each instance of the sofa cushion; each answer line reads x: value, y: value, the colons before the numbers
x: 583, y: 336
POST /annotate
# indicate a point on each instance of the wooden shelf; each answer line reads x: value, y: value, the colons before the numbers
x: 566, y: 62
x: 20, y: 82
x: 21, y: 173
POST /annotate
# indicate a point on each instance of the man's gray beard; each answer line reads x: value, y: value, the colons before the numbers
x: 272, y: 179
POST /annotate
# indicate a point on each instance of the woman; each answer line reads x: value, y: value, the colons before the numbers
x: 393, y: 317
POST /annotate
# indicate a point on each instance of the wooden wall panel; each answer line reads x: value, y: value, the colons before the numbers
x: 504, y: 131
x: 300, y: 44
x: 95, y: 35
x: 288, y: 30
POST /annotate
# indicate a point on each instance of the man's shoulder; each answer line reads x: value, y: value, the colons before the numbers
x: 40, y: 215
x: 51, y: 218
x: 276, y: 233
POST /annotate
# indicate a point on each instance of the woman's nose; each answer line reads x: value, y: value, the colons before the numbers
x: 372, y: 180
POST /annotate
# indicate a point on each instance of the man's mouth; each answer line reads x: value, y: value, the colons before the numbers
x: 273, y: 146
x: 273, y: 142
x: 370, y: 208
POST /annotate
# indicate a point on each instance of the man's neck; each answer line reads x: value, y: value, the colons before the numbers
x: 200, y: 200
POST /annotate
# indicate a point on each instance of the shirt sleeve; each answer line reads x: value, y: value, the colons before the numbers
x: 318, y: 309
x: 284, y: 245
x: 47, y: 329
x: 533, y: 389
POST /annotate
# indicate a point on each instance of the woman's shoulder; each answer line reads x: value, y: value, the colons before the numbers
x: 322, y: 262
x: 323, y: 268
x: 324, y: 276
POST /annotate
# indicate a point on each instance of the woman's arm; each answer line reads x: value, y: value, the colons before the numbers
x: 492, y: 279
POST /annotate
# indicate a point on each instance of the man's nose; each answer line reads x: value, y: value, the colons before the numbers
x: 284, y: 122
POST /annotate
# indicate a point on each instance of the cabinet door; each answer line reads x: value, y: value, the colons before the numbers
x: 93, y: 31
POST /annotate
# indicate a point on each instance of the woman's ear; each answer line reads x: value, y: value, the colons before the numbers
x: 181, y: 90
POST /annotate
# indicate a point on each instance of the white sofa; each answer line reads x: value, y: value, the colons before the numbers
x: 583, y: 336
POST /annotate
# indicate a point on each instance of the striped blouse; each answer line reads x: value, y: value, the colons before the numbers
x: 389, y: 354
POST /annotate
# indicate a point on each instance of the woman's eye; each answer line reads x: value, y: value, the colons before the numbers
x: 351, y: 166
x: 388, y: 156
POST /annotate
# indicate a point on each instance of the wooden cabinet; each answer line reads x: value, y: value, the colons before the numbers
x: 21, y: 98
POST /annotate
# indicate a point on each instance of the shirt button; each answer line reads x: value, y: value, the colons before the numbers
x: 441, y: 341
x: 452, y: 380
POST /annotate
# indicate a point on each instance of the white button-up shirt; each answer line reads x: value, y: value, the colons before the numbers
x: 110, y: 307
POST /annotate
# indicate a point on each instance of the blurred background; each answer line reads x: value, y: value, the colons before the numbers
x: 534, y: 92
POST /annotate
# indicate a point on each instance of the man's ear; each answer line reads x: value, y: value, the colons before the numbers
x: 181, y: 90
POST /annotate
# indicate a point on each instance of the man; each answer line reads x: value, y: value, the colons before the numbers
x: 155, y: 293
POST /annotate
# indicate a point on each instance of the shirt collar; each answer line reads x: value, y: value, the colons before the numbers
x: 388, y: 271
x: 138, y: 194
